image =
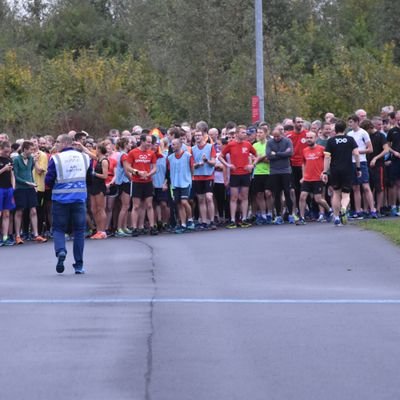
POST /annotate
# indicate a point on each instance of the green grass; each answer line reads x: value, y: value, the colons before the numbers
x: 390, y: 228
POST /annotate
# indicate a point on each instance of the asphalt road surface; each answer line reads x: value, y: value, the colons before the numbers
x: 269, y: 313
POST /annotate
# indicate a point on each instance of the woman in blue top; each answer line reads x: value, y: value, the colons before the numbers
x: 125, y: 187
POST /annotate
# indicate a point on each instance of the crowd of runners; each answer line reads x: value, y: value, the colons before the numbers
x: 195, y: 177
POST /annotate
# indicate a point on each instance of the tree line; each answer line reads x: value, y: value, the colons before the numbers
x: 98, y: 64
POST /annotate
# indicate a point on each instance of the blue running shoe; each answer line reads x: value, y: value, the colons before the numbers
x: 79, y: 270
x: 179, y: 229
x: 278, y: 221
x: 338, y: 222
x: 60, y: 263
x: 190, y: 226
x: 8, y: 242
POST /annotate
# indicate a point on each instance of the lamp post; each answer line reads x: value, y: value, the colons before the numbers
x: 259, y: 57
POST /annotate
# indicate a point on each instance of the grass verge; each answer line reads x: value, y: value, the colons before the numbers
x: 389, y: 227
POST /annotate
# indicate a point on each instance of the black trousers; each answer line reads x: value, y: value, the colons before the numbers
x: 281, y: 183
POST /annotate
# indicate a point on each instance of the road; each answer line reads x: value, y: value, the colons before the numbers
x: 276, y: 313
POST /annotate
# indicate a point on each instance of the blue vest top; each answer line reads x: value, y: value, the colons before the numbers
x: 180, y: 172
x: 120, y: 176
x: 159, y: 176
x: 206, y: 169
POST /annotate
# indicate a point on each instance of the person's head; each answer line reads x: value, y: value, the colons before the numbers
x: 230, y: 134
x: 4, y: 137
x: 164, y: 143
x: 34, y: 140
x: 311, y: 138
x: 63, y: 141
x: 5, y: 148
x: 137, y: 130
x: 368, y: 126
x: 298, y: 124
x: 241, y: 133
x: 16, y: 148
x: 80, y: 137
x: 326, y: 129
x: 132, y: 141
x: 145, y: 141
x: 27, y: 148
x: 385, y: 111
x: 316, y: 126
x: 397, y: 117
x: 213, y: 133
x: 43, y: 145
x: 176, y: 145
x: 281, y: 129
x: 230, y: 125
x: 251, y: 132
x: 101, y: 149
x: 288, y: 124
x: 277, y: 133
x: 114, y: 133
x: 392, y: 118
x: 202, y: 126
x: 328, y: 117
x: 262, y: 133
x: 377, y: 122
x: 49, y: 141
x: 340, y: 127
x: 353, y: 122
x: 109, y: 145
x: 361, y: 114
x: 125, y: 133
x: 386, y: 125
x: 72, y: 134
x: 122, y: 144
x: 199, y: 137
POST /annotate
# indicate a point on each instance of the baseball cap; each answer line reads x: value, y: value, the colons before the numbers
x: 251, y: 130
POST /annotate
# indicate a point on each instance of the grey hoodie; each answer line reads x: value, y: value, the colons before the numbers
x: 279, y: 163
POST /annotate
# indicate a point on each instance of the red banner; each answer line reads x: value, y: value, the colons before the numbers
x: 255, y: 109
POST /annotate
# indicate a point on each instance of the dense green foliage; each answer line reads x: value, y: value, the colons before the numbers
x: 97, y: 64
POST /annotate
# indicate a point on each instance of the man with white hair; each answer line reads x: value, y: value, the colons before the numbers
x: 213, y: 134
x: 137, y: 130
x: 362, y: 114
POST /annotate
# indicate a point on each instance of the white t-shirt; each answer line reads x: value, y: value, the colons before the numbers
x: 362, y: 138
x: 218, y: 175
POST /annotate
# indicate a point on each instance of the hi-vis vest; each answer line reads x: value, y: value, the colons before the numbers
x: 70, y: 185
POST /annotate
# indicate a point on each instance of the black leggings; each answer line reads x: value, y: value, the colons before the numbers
x: 220, y: 197
x: 279, y: 183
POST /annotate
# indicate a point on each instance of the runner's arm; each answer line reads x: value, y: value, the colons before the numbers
x: 381, y: 154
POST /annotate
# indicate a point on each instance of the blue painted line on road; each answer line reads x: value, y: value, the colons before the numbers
x: 198, y: 301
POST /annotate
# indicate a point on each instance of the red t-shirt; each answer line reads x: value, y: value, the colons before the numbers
x: 314, y: 163
x: 239, y: 152
x: 112, y: 164
x: 142, y: 161
x: 299, y: 144
x: 206, y: 177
